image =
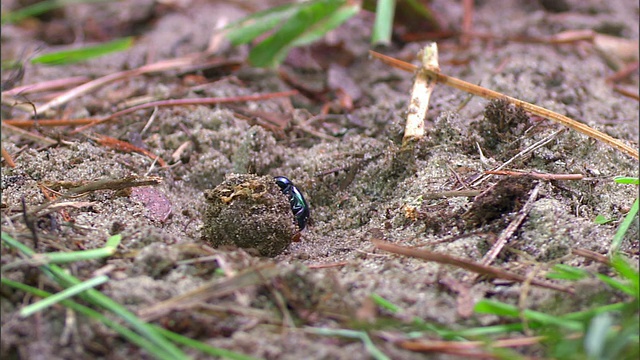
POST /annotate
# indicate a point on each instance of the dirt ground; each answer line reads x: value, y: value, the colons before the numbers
x: 348, y: 164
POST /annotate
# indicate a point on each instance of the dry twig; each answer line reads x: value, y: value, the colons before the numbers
x: 463, y: 263
x: 80, y: 188
x: 536, y: 175
x: 128, y: 147
x: 111, y: 184
x: 469, y: 349
x: 97, y: 83
x: 534, y: 109
x: 423, y: 86
x: 255, y: 276
x: 45, y: 86
x: 451, y: 194
x: 508, y: 232
x: 7, y: 157
x: 48, y: 122
x: 29, y: 135
x: 531, y: 148
x: 183, y: 102
x: 591, y: 255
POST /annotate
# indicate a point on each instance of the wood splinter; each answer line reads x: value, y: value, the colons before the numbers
x: 423, y: 86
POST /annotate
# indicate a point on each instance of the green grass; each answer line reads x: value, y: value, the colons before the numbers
x: 353, y: 334
x: 601, y: 220
x: 40, y: 8
x: 384, y: 303
x: 300, y: 23
x: 383, y: 25
x: 72, y: 56
x: 292, y: 25
x: 156, y: 341
x: 628, y: 219
x: 66, y: 56
x: 62, y: 295
x: 608, y: 331
x: 603, y: 332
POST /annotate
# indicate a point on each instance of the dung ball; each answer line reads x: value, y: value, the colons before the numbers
x: 250, y: 212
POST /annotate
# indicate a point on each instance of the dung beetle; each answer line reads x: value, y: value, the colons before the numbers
x: 299, y: 205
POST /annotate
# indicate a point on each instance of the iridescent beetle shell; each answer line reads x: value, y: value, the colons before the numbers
x: 299, y: 205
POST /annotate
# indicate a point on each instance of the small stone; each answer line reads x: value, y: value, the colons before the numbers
x: 158, y: 206
x: 250, y: 212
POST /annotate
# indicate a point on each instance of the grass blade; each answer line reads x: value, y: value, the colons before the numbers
x: 40, y: 8
x: 501, y: 309
x: 496, y: 308
x: 487, y: 330
x: 99, y: 299
x: 624, y: 268
x: 307, y: 24
x: 601, y: 220
x: 384, y: 303
x: 85, y: 53
x: 596, y: 336
x: 331, y: 22
x: 624, y: 227
x: 383, y: 25
x: 627, y: 180
x: 566, y: 272
x: 204, y: 348
x: 618, y: 285
x: 586, y: 314
x: 91, y: 254
x: 126, y: 333
x: 62, y: 295
x: 354, y: 334
x: 249, y: 28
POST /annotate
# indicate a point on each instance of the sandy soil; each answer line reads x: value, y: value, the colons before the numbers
x: 349, y: 166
